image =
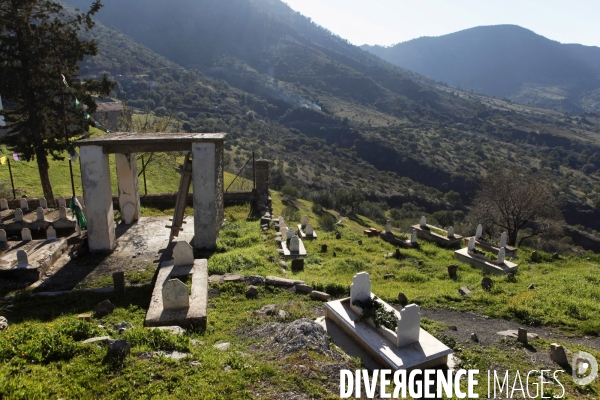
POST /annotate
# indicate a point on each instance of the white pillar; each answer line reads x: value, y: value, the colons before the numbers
x: 127, y: 179
x: 204, y: 176
x: 95, y: 176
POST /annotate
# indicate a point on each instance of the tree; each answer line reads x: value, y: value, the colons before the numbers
x: 513, y: 202
x: 39, y: 43
x: 347, y: 200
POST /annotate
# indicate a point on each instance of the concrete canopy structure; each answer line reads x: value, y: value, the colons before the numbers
x: 207, y: 178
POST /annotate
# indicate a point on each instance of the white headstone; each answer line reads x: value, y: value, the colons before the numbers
x: 388, y: 226
x: 290, y: 233
x: 128, y: 211
x: 18, y: 215
x: 423, y: 222
x: 43, y: 202
x: 175, y: 295
x: 62, y: 212
x: 40, y: 214
x: 281, y: 221
x: 409, y: 325
x: 501, y: 256
x: 26, y: 235
x: 413, y: 237
x: 282, y: 226
x: 471, y: 244
x: 22, y: 260
x: 24, y: 205
x: 283, y: 230
x: 294, y: 243
x: 304, y: 221
x: 183, y: 254
x: 360, y: 289
x: 3, y: 236
x: 62, y: 202
x: 479, y: 231
x: 50, y: 233
x: 503, y: 239
x: 451, y: 232
x: 310, y: 231
x: 3, y: 204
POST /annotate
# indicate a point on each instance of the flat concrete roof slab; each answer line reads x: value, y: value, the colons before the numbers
x: 132, y: 142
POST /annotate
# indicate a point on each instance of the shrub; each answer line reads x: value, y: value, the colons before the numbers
x: 327, y: 222
x: 290, y: 191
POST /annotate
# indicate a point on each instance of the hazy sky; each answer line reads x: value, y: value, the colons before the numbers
x: 386, y: 22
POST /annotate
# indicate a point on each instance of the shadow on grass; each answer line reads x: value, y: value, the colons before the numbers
x: 358, y: 220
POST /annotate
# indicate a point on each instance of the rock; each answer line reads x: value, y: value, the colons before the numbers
x: 283, y: 314
x: 255, y: 280
x: 555, y: 256
x: 420, y: 262
x: 233, y: 278
x: 266, y: 310
x: 402, y: 299
x: 196, y: 342
x: 195, y: 364
x: 104, y: 308
x: 534, y: 256
x: 122, y: 326
x: 222, y: 346
x: 558, y: 354
x: 215, y: 279
x: 282, y: 264
x: 3, y: 323
x: 487, y: 283
x: 315, y: 295
x: 452, y: 328
x: 99, y: 340
x: 531, y: 287
x: 227, y: 368
x: 464, y: 291
x: 173, y: 355
x: 118, y: 349
x: 85, y: 317
x: 522, y: 335
x: 173, y: 329
x: 389, y: 276
x: 334, y: 254
x: 398, y: 255
x: 474, y: 337
x: 514, y: 334
x: 452, y: 270
x: 338, y: 235
x: 298, y: 265
x: 251, y: 292
x: 323, y: 248
x: 276, y: 281
x: 146, y: 355
x: 303, y: 289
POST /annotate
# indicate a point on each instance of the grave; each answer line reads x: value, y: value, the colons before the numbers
x: 410, y: 243
x: 168, y: 303
x: 407, y: 347
x: 3, y: 204
x: 296, y: 248
x: 18, y: 215
x: 43, y: 203
x: 24, y: 205
x: 41, y: 255
x: 62, y: 202
x: 442, y: 237
x: 470, y: 255
x: 492, y: 247
x: 306, y: 231
x: 26, y: 235
x: 50, y: 233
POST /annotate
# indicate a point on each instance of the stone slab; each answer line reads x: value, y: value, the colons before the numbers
x: 431, y: 236
x: 41, y: 256
x: 277, y: 281
x: 195, y: 314
x: 302, y: 234
x: 492, y: 248
x: 292, y: 254
x: 427, y: 353
x: 488, y: 266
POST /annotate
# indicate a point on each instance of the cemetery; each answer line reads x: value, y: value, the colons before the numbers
x: 388, y: 236
x: 445, y: 238
x: 491, y: 247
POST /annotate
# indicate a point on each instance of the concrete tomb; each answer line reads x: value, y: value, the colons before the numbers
x: 175, y: 295
x: 18, y: 215
x: 296, y: 247
x: 3, y: 236
x: 26, y: 235
x: 50, y: 233
x: 43, y: 202
x: 40, y: 214
x: 62, y: 202
x: 473, y: 257
x: 3, y: 204
x: 183, y: 254
x: 24, y: 205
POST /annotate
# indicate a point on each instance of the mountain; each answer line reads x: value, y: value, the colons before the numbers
x: 506, y: 61
x: 332, y: 116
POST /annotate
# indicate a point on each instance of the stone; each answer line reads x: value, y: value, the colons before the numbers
x: 304, y: 220
x: 18, y: 215
x: 3, y: 323
x: 310, y: 231
x: 534, y: 256
x: 233, y: 278
x: 423, y: 222
x: 294, y: 244
x: 290, y: 234
x: 85, y: 317
x: 479, y: 231
x: 487, y: 283
x: 62, y: 202
x: 501, y: 256
x: 119, y: 282
x: 40, y: 214
x: 315, y: 295
x: 22, y: 261
x: 276, y: 281
x: 3, y: 204
x: 450, y: 232
x: 98, y: 340
x: 409, y: 325
x: 282, y: 264
x: 50, y: 233
x: 303, y: 289
x: 452, y: 271
x: 453, y: 328
x: 398, y: 255
x: 388, y: 276
x: 266, y: 310
x: 195, y: 364
x: 173, y: 329
x: 127, y: 213
x: 103, y: 308
x: 255, y: 280
x: 334, y: 254
x: 388, y: 226
x: 43, y: 202
x: 522, y: 335
x: 122, y: 326
x: 175, y: 295
x: 413, y: 237
x: 323, y: 248
x: 26, y: 235
x: 3, y: 238
x: 531, y: 287
x: 24, y: 205
x: 183, y: 254
x: 298, y: 265
x: 474, y: 337
x: 360, y: 289
x: 62, y: 213
x: 338, y: 235
x: 555, y: 256
x: 251, y: 292
x: 471, y: 245
x: 558, y: 354
x: 402, y: 299
x: 464, y: 291
x: 118, y: 349
x: 282, y: 314
x: 503, y: 239
x: 281, y: 220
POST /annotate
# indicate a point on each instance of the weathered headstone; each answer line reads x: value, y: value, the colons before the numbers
x: 304, y: 221
x: 413, y: 238
x: 24, y: 205
x: 26, y: 235
x: 450, y: 232
x: 464, y: 291
x: 423, y: 222
x: 3, y: 238
x: 479, y: 231
x: 3, y: 204
x: 18, y: 215
x: 323, y: 248
x: 310, y: 231
x: 119, y: 283
x: 40, y: 214
x: 22, y: 260
x: 183, y: 254
x: 283, y: 230
x: 127, y: 213
x: 501, y: 256
x: 62, y: 202
x: 360, y: 289
x: 298, y: 264
x: 452, y: 270
x: 290, y: 234
x: 503, y: 239
x: 471, y: 246
x: 409, y: 325
x: 50, y: 233
x: 487, y: 283
x: 62, y: 213
x: 295, y: 244
x: 522, y: 335
x: 388, y: 226
x: 43, y: 202
x: 175, y: 295
x: 558, y: 354
x: 280, y: 220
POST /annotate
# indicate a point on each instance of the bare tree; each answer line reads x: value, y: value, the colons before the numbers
x: 513, y: 202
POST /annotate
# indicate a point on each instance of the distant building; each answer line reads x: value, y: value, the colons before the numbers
x: 108, y: 114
